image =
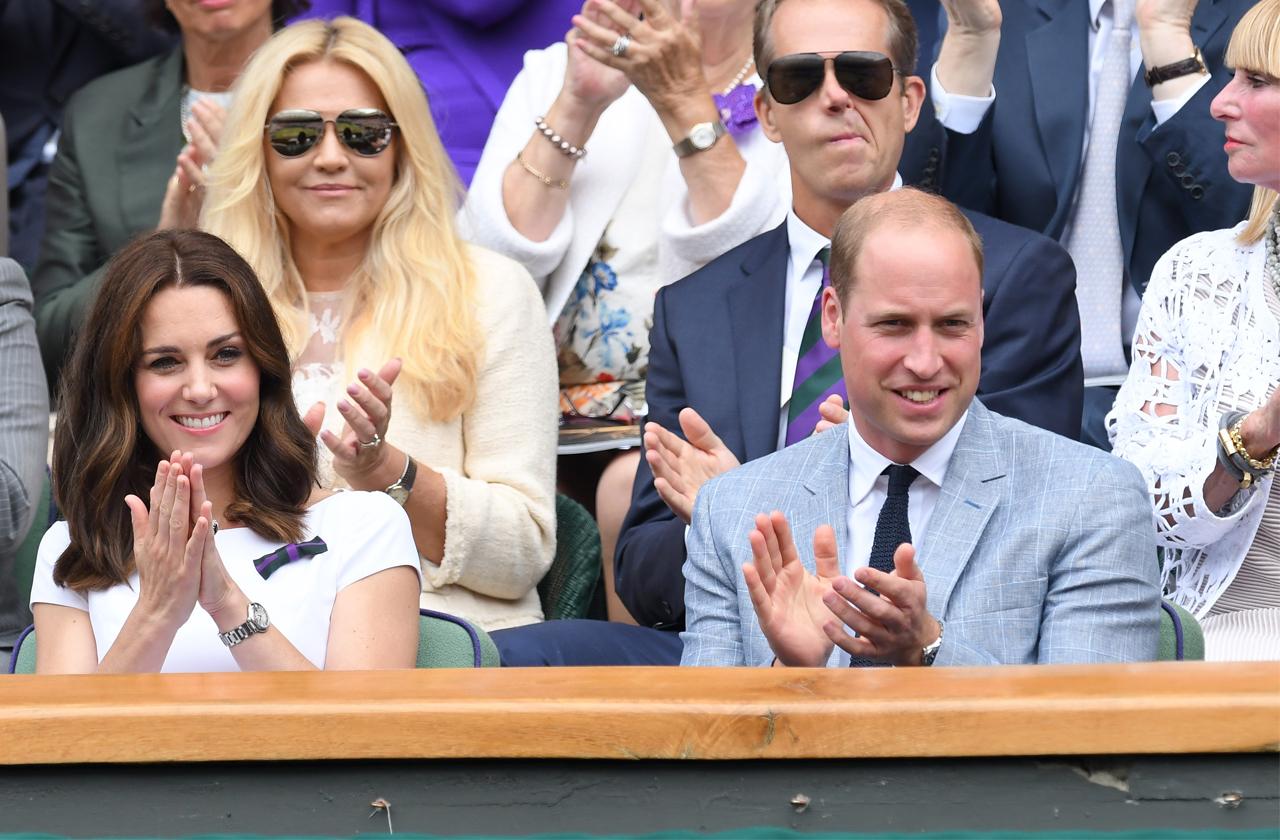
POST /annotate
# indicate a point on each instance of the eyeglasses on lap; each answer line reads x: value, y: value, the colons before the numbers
x: 866, y: 75
x: 365, y: 131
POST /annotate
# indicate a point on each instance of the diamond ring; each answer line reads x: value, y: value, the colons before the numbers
x: 371, y: 444
x: 620, y: 45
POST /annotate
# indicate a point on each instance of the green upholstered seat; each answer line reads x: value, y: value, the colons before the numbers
x: 568, y: 588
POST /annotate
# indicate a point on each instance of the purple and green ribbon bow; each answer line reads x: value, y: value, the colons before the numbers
x: 269, y: 564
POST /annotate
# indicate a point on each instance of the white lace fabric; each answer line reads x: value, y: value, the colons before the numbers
x: 319, y: 366
x: 1206, y: 343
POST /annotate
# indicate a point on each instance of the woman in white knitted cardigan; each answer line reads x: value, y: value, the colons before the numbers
x: 1207, y: 363
x: 645, y: 202
x: 345, y: 207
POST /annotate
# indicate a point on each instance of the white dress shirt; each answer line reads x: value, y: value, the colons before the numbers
x: 963, y: 114
x: 804, y: 279
x: 868, y: 489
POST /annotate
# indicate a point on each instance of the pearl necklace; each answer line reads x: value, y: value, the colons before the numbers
x: 742, y: 74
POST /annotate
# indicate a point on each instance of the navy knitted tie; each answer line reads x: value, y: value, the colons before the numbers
x: 892, y: 529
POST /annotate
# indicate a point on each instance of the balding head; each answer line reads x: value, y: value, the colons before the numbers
x: 904, y: 208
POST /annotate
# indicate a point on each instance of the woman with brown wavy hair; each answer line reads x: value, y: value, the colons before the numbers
x: 181, y: 363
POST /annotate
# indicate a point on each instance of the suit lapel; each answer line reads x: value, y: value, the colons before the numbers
x: 1055, y: 51
x: 756, y: 304
x: 824, y: 498
x: 970, y: 492
x: 149, y: 151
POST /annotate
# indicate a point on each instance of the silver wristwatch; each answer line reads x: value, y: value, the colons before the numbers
x: 401, y: 489
x: 930, y: 651
x: 701, y: 137
x: 256, y: 623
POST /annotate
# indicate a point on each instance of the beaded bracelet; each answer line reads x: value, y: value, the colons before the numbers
x: 559, y: 142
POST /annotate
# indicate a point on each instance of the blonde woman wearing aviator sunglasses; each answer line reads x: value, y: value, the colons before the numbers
x: 423, y: 363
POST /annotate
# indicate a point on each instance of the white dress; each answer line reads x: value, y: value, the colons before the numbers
x: 361, y: 533
x: 1206, y: 343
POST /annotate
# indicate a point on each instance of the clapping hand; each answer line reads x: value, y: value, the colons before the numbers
x: 973, y: 16
x: 663, y: 55
x: 833, y: 413
x: 681, y: 466
x: 358, y: 452
x: 184, y: 194
x: 173, y: 548
x: 894, y: 625
x: 589, y: 82
x: 788, y: 600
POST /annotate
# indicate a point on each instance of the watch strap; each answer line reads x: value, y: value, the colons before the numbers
x: 687, y: 147
x: 251, y: 626
x: 1176, y: 70
x: 930, y: 651
x: 404, y: 485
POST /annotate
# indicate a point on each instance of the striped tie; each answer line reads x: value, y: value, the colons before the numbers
x: 818, y: 373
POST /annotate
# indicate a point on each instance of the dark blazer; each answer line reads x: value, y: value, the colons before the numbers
x: 1023, y: 163
x: 716, y: 345
x: 121, y: 135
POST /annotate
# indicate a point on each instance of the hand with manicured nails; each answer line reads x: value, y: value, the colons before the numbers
x: 168, y: 548
x: 664, y: 59
x: 368, y: 414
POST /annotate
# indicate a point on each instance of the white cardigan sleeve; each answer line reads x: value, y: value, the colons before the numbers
x: 500, y: 509
x: 483, y: 218
x: 759, y: 204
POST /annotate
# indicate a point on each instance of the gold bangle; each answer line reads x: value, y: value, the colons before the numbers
x: 1264, y: 464
x: 550, y: 182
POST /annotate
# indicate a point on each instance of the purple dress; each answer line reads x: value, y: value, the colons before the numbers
x: 466, y: 52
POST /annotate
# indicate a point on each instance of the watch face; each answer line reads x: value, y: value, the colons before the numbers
x: 400, y: 494
x: 703, y: 135
x: 258, y: 615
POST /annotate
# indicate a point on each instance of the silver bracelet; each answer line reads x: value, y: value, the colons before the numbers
x: 559, y: 142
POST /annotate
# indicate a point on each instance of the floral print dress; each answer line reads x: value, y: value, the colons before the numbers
x: 602, y: 334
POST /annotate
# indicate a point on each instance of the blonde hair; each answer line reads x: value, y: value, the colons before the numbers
x: 1255, y: 45
x: 413, y: 295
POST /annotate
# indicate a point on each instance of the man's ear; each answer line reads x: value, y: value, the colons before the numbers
x: 913, y: 93
x: 764, y: 105
x: 832, y: 317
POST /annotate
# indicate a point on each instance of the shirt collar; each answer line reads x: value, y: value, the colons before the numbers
x: 805, y: 242
x: 867, y: 463
x: 1095, y: 13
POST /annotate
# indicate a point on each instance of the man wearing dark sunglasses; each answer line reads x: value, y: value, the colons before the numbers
x: 733, y: 362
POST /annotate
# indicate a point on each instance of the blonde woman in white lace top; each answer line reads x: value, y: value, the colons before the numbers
x: 425, y: 364
x: 1207, y: 345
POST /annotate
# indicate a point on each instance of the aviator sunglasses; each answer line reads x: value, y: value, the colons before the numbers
x: 866, y: 75
x: 365, y: 131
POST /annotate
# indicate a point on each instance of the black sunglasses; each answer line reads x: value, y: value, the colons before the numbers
x: 365, y: 131
x: 866, y: 75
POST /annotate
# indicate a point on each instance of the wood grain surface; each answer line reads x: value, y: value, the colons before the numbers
x: 644, y: 713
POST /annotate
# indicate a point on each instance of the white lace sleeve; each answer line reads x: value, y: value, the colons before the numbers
x: 1188, y: 369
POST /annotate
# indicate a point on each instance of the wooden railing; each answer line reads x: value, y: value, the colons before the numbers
x: 643, y: 713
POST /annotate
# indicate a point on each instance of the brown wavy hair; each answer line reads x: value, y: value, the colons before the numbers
x: 100, y: 453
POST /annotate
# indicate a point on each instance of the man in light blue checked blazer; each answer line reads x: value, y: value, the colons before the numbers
x: 1030, y: 547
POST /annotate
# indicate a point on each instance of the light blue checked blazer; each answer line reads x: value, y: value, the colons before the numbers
x: 1040, y: 549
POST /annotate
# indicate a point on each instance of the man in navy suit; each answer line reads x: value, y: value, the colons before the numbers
x: 1012, y: 119
x: 726, y: 340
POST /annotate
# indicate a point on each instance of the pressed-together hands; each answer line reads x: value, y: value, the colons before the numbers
x: 664, y: 56
x: 184, y: 194
x: 173, y: 547
x: 360, y: 452
x: 802, y: 614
